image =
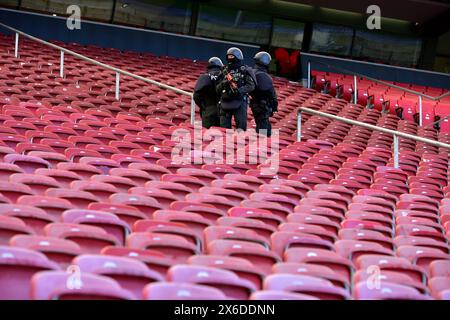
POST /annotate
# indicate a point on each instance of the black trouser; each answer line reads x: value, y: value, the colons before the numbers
x: 210, y: 117
x: 240, y: 117
x: 262, y: 121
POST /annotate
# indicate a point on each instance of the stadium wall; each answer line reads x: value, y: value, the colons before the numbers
x: 123, y: 38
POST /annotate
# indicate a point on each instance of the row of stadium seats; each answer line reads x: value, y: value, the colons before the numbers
x: 385, y: 98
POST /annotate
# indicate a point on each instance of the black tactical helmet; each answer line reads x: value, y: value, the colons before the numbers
x: 215, y: 62
x: 262, y: 58
x: 236, y: 52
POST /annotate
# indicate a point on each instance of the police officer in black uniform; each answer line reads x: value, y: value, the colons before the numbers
x: 264, y: 98
x: 236, y: 83
x: 205, y: 94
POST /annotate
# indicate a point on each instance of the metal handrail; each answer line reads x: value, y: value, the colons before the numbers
x: 97, y: 63
x: 420, y: 95
x: 379, y: 81
x: 394, y: 133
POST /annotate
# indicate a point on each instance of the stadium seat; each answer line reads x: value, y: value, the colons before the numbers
x: 181, y: 291
x: 53, y: 285
x: 18, y: 265
x: 225, y: 281
x: 131, y: 274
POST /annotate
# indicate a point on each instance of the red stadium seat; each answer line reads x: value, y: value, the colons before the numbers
x: 53, y: 286
x: 175, y: 247
x: 131, y: 274
x: 91, y: 239
x: 60, y: 251
x: 226, y: 281
x: 18, y: 265
x: 181, y: 291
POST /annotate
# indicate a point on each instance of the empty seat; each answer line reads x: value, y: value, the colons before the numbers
x: 131, y: 274
x: 51, y: 205
x: 11, y: 226
x: 58, y: 285
x: 60, y: 251
x: 91, y: 239
x: 309, y: 285
x: 175, y: 247
x: 17, y: 266
x: 36, y: 182
x: 181, y: 291
x: 279, y: 295
x: 387, y: 291
x: 145, y: 204
x: 255, y: 253
x: 28, y: 163
x: 79, y: 199
x: 105, y: 220
x: 226, y: 281
x: 13, y: 191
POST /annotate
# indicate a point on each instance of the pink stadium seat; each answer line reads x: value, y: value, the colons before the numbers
x: 18, y: 265
x: 91, y: 239
x: 79, y: 199
x: 193, y: 220
x: 175, y: 247
x: 181, y: 291
x: 13, y: 191
x: 39, y: 184
x: 105, y: 220
x: 232, y: 233
x: 83, y: 170
x: 11, y: 226
x: 131, y: 274
x: 126, y: 213
x: 255, y: 253
x: 51, y: 205
x: 207, y: 211
x: 280, y: 295
x: 283, y: 240
x: 225, y: 281
x: 99, y: 189
x: 53, y: 286
x: 35, y: 218
x: 147, y: 205
x: 28, y: 163
x: 266, y: 216
x: 387, y: 291
x: 60, y: 251
x: 302, y: 284
x: 327, y: 258
x: 169, y: 227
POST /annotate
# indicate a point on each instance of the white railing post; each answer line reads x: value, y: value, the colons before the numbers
x: 355, y: 89
x: 420, y: 111
x: 117, y: 85
x: 16, y: 46
x: 396, y: 165
x: 61, y: 65
x: 309, y: 75
x: 299, y: 125
x: 192, y: 110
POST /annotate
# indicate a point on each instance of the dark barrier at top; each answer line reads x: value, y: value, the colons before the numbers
x: 122, y: 38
